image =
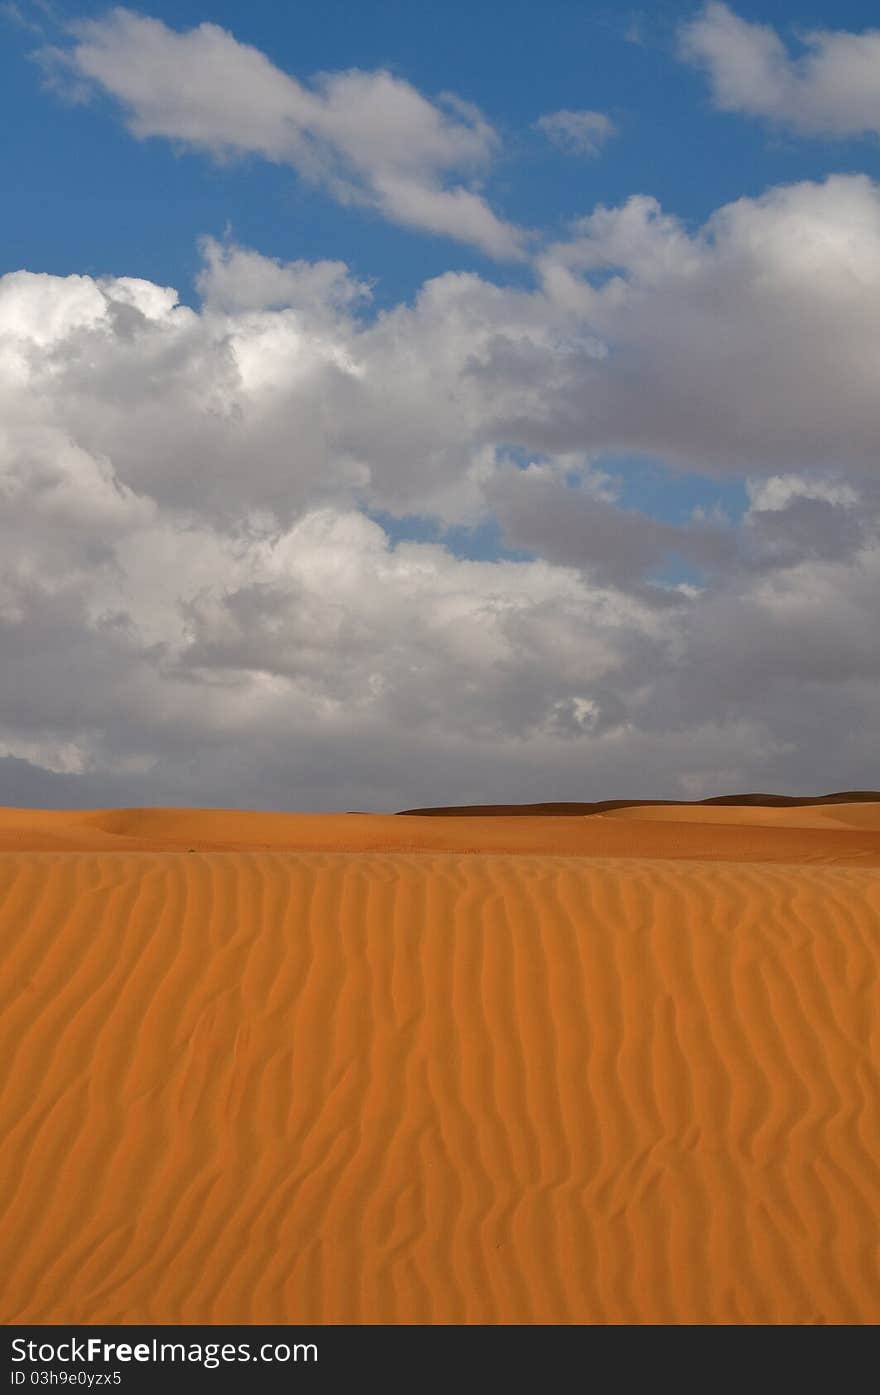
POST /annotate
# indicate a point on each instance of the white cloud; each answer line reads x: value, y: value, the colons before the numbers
x: 751, y: 344
x: 777, y: 493
x: 368, y: 137
x: 196, y: 607
x: 578, y: 132
x: 831, y: 89
x: 235, y: 278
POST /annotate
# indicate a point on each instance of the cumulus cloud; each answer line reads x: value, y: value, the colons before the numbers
x: 577, y: 132
x: 235, y: 278
x: 368, y: 137
x: 749, y: 347
x: 831, y: 89
x: 197, y: 606
x: 750, y: 344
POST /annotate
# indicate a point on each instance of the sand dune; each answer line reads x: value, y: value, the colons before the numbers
x: 438, y: 1083
x: 717, y: 834
x: 841, y: 815
x: 601, y: 806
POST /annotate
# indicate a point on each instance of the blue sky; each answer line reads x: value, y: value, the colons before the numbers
x: 668, y: 404
x: 88, y: 198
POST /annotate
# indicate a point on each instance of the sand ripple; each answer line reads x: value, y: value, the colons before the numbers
x: 283, y: 1087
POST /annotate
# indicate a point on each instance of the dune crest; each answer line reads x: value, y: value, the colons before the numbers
x: 844, y: 833
x: 435, y: 1086
x: 839, y: 814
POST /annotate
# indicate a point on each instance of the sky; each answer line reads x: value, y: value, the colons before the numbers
x: 408, y: 405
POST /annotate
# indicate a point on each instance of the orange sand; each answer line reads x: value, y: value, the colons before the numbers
x: 352, y: 1068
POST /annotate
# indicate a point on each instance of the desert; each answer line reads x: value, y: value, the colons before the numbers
x: 610, y: 1067
x: 439, y: 681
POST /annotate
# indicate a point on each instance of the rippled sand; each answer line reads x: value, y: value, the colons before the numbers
x: 611, y: 1069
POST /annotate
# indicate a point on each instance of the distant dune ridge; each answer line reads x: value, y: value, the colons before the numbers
x: 502, y: 1067
x: 602, y: 806
x: 836, y: 827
